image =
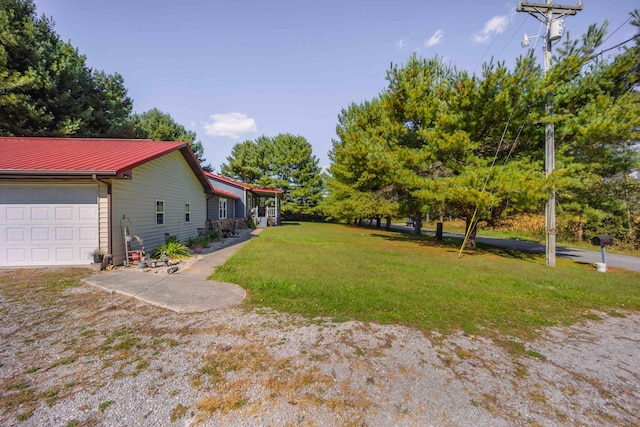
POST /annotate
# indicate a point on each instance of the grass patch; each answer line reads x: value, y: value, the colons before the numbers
x: 169, y: 341
x: 50, y: 396
x: 61, y: 284
x: 104, y: 405
x: 226, y: 369
x: 177, y: 413
x: 337, y: 271
x: 529, y: 229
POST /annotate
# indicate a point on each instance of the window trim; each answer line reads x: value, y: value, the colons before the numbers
x: 160, y: 203
x: 187, y: 212
x: 220, y: 208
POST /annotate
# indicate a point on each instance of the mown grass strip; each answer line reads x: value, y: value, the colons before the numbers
x: 372, y: 275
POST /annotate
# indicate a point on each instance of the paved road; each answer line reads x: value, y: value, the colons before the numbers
x: 626, y: 262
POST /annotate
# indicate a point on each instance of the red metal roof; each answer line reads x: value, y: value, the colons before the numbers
x: 267, y: 190
x: 79, y: 154
x: 241, y: 185
x: 33, y: 157
x: 226, y: 194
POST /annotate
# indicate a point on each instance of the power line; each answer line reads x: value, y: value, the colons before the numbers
x: 615, y: 47
x: 616, y: 30
x: 493, y: 41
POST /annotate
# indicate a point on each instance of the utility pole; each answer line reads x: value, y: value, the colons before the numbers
x: 551, y: 15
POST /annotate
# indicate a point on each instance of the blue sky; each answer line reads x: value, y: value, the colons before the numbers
x: 235, y: 70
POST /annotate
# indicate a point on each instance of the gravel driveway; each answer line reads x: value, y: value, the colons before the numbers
x: 72, y: 355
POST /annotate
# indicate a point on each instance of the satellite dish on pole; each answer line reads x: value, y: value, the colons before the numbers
x: 556, y: 30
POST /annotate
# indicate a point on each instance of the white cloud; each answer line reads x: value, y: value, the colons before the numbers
x: 435, y: 39
x: 233, y: 125
x: 401, y: 44
x: 495, y: 25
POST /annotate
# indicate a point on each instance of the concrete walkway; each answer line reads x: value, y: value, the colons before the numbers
x: 186, y: 291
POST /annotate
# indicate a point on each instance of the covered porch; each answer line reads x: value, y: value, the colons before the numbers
x: 264, y: 206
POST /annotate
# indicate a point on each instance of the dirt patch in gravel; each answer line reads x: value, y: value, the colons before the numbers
x: 73, y: 355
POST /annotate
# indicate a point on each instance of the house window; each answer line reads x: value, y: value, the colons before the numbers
x: 223, y: 208
x: 159, y: 212
x: 187, y: 212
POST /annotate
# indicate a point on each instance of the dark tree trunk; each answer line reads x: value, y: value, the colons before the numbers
x: 630, y: 231
x: 471, y: 240
x: 378, y: 222
x: 417, y: 223
x: 388, y: 224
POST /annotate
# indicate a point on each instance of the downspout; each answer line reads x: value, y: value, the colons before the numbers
x: 109, y: 212
x: 244, y: 203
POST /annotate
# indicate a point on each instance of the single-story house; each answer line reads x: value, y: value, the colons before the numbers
x: 61, y: 199
x: 235, y: 200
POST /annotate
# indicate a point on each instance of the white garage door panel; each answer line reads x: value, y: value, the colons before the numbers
x: 40, y: 256
x: 39, y: 213
x: 48, y: 225
x: 15, y: 214
x: 40, y: 234
x: 16, y: 256
x: 15, y: 235
x: 64, y: 213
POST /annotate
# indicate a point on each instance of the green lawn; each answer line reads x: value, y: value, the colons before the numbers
x: 458, y: 227
x: 346, y: 272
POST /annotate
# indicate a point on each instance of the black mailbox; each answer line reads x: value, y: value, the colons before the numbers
x: 602, y: 241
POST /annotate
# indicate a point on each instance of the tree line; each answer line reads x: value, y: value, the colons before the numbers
x: 47, y: 89
x: 436, y: 141
x: 440, y: 140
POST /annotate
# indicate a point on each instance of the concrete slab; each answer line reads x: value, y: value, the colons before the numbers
x: 186, y: 291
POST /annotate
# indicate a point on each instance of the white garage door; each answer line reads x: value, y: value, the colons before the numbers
x: 48, y: 224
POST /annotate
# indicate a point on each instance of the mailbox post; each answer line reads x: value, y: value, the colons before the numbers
x: 603, y: 242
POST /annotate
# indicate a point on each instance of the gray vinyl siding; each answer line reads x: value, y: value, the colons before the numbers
x: 239, y: 208
x: 213, y: 204
x: 212, y: 208
x: 168, y: 178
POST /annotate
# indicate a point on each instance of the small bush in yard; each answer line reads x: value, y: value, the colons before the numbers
x: 173, y: 248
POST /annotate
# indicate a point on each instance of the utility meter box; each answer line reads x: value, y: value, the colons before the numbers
x: 602, y: 241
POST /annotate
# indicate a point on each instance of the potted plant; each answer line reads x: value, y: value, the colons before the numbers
x: 197, y: 243
x: 197, y: 246
x: 98, y: 256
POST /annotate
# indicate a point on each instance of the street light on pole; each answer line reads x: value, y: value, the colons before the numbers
x: 551, y: 15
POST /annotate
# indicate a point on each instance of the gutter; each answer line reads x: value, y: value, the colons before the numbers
x: 40, y: 173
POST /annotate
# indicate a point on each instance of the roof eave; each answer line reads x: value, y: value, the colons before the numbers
x: 190, y: 157
x: 39, y: 173
x: 227, y: 180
